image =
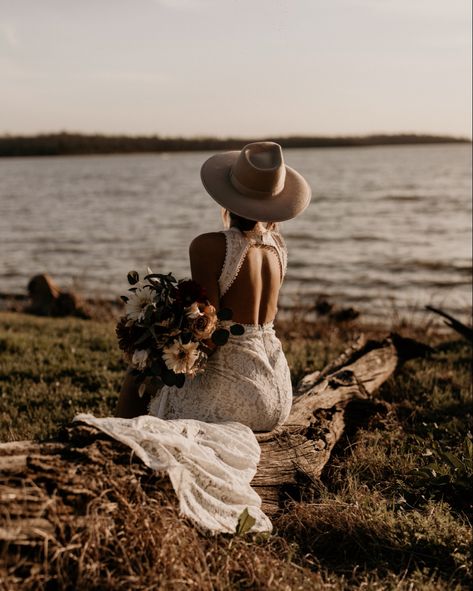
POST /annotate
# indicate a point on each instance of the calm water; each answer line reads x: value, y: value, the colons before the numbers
x: 387, y: 227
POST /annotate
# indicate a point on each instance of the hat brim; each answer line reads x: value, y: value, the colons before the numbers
x: 293, y: 199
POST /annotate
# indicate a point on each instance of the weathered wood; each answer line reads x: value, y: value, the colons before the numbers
x: 458, y: 326
x: 36, y: 476
x: 298, y: 451
x: 309, y: 380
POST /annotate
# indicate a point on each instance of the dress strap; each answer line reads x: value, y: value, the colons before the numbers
x: 237, y: 245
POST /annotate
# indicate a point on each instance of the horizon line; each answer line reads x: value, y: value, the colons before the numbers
x: 75, y: 144
x: 222, y: 137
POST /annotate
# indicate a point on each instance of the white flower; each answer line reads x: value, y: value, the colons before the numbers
x: 139, y: 359
x: 181, y: 358
x: 193, y: 311
x: 137, y: 302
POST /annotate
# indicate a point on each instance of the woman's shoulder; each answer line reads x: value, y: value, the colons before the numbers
x: 208, y: 247
x: 207, y: 256
x: 207, y: 241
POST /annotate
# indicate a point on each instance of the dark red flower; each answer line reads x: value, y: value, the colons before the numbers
x: 189, y: 291
x: 128, y: 335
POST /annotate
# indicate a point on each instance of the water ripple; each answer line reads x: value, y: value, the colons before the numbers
x: 387, y: 224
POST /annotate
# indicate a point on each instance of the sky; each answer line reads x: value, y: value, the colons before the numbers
x: 257, y: 68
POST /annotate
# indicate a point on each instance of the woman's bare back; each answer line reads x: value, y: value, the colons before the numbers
x: 253, y: 295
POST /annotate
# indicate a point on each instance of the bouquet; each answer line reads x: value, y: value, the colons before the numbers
x: 170, y: 328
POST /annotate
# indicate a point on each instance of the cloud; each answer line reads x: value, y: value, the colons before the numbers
x: 9, y: 36
x: 183, y: 4
x: 417, y: 8
x: 127, y: 77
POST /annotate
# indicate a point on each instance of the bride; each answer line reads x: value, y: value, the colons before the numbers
x: 202, y: 435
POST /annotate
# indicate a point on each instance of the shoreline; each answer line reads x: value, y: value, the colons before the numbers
x: 298, y: 321
x: 77, y: 144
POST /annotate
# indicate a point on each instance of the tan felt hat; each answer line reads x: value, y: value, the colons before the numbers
x: 255, y: 183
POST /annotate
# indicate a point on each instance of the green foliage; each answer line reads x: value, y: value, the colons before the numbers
x: 133, y: 277
x: 220, y: 336
x: 245, y: 523
x: 237, y: 329
x: 447, y: 475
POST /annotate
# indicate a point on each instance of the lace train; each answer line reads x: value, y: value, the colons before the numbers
x: 210, y: 465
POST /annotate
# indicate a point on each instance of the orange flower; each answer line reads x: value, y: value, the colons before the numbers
x: 204, y: 325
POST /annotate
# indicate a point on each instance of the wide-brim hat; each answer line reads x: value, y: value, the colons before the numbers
x: 255, y: 183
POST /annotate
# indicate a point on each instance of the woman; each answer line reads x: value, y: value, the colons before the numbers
x: 202, y: 434
x: 241, y: 268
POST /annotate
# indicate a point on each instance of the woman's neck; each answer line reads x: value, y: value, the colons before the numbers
x: 258, y: 228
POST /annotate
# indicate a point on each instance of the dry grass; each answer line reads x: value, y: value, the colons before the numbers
x: 368, y: 525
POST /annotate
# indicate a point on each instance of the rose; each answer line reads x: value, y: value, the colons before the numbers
x: 205, y: 324
x: 193, y: 311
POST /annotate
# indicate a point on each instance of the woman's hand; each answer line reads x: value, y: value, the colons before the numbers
x: 130, y: 403
x: 209, y: 347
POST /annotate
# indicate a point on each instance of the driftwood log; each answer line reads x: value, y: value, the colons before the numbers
x: 296, y: 453
x: 41, y: 481
x: 455, y: 324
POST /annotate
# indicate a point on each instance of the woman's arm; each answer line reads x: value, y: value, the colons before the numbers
x: 207, y: 255
x: 130, y: 403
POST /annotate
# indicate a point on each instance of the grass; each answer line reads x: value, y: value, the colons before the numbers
x: 392, y: 510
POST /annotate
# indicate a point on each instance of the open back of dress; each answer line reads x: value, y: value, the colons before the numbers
x: 252, y: 274
x: 237, y: 247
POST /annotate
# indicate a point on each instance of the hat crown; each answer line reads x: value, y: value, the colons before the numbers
x: 259, y: 170
x: 255, y: 183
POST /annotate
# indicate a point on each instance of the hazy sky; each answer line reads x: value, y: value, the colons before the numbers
x: 235, y: 67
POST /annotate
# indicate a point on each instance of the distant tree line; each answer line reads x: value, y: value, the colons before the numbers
x: 61, y: 144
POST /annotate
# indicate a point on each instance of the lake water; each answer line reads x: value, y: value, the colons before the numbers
x: 388, y: 227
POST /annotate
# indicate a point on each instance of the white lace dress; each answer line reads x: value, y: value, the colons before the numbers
x: 203, y: 434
